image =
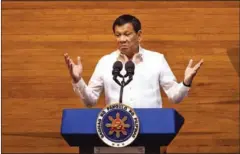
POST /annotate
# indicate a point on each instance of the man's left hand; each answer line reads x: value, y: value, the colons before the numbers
x: 190, y: 71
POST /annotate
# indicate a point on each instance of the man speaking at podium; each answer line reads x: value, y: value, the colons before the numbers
x: 151, y: 71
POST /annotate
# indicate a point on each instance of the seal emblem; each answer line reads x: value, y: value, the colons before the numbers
x: 117, y: 125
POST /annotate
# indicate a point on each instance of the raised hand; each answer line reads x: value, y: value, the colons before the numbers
x: 191, y: 72
x: 75, y: 70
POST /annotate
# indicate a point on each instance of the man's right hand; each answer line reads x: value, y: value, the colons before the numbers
x: 75, y: 70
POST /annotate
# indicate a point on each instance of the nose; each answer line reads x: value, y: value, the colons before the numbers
x: 122, y: 38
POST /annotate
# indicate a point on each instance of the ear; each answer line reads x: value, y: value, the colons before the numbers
x: 139, y: 34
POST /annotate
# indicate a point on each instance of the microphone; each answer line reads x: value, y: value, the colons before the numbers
x: 117, y: 67
x: 129, y: 67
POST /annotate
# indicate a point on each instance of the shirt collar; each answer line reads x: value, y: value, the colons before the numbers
x: 137, y: 58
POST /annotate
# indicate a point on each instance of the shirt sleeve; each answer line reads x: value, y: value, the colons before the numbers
x: 174, y: 90
x: 90, y: 93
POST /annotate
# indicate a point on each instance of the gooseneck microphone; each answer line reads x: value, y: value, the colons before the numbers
x: 117, y: 67
x: 129, y: 67
x: 116, y: 72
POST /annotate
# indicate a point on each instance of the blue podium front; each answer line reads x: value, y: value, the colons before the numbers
x: 158, y: 127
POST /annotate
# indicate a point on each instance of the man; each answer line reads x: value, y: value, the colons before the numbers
x: 151, y: 72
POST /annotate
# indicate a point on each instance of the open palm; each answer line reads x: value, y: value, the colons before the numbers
x: 75, y: 70
x: 190, y: 71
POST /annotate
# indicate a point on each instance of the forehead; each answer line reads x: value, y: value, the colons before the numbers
x: 128, y: 27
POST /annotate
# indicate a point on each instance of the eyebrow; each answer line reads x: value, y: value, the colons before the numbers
x: 123, y: 32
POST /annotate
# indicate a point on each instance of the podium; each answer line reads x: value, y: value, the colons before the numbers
x: 158, y: 127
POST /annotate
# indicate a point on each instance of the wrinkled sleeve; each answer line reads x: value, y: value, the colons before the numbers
x: 174, y: 90
x: 90, y: 93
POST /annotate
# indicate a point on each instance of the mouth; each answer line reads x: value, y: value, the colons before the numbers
x: 123, y: 47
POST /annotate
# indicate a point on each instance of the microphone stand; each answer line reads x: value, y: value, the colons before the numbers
x: 123, y: 84
x: 128, y: 74
x: 121, y: 90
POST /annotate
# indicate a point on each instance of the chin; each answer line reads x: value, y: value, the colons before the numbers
x: 124, y: 49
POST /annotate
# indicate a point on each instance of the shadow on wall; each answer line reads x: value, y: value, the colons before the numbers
x: 233, y: 55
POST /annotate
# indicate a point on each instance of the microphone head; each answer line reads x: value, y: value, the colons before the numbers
x: 117, y: 67
x: 129, y: 67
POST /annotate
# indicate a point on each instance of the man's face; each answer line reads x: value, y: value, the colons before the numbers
x: 127, y: 39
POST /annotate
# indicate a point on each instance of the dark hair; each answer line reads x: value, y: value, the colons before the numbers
x: 127, y: 18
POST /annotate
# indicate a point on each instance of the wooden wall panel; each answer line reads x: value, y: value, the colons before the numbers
x: 36, y: 86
